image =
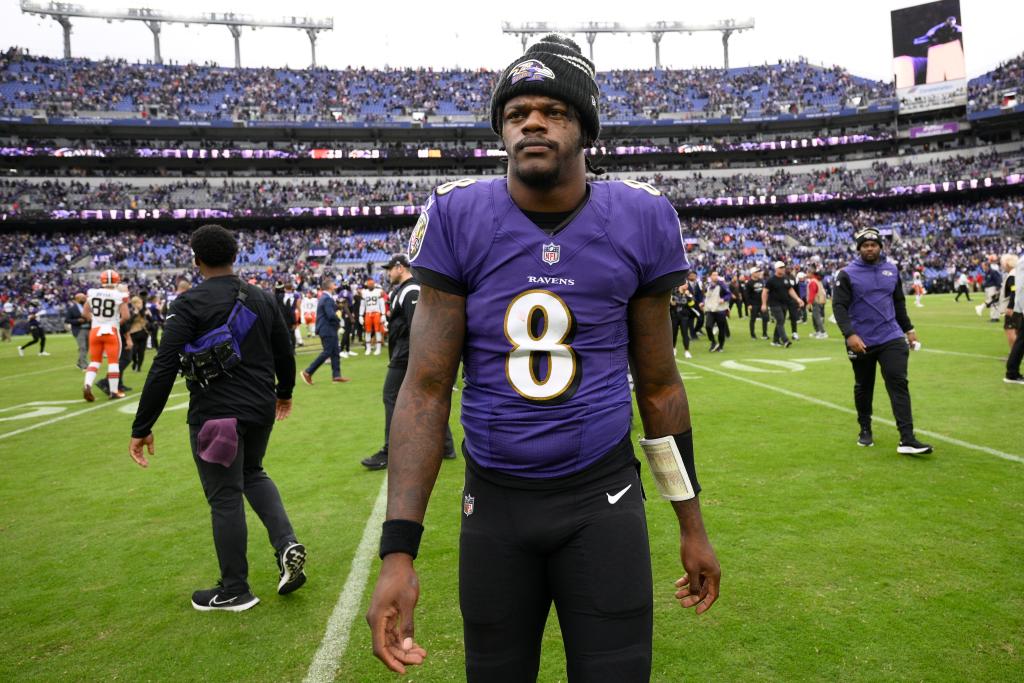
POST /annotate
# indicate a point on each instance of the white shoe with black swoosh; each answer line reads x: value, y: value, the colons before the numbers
x: 217, y: 599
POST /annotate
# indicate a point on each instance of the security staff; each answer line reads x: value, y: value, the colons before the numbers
x: 752, y: 294
x: 230, y: 419
x: 871, y: 311
x: 75, y: 317
x: 404, y: 297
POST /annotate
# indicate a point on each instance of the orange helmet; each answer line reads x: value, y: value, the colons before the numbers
x: 370, y: 283
x: 109, y: 277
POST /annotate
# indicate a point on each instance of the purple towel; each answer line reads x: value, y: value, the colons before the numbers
x: 218, y: 441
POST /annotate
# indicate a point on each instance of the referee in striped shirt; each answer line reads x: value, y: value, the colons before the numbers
x: 405, y: 293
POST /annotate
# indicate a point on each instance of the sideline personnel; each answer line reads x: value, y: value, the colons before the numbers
x: 404, y: 297
x: 871, y: 311
x: 327, y: 325
x: 544, y: 284
x: 229, y: 420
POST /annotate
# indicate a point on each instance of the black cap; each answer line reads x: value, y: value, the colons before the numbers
x: 553, y: 66
x: 397, y: 260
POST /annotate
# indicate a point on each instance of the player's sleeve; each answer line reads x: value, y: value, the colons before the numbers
x: 842, y: 297
x: 664, y: 264
x: 179, y: 329
x: 899, y: 302
x: 432, y: 252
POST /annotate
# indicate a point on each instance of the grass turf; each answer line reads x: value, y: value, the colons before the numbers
x: 839, y: 562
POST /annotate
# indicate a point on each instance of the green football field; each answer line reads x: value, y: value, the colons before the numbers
x: 839, y: 563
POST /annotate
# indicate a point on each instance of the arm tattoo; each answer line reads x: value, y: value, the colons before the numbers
x: 660, y: 394
x: 424, y: 402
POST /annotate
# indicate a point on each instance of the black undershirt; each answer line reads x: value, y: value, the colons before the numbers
x: 553, y: 222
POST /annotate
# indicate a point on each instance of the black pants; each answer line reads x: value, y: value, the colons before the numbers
x: 1016, y: 355
x: 346, y: 338
x: 696, y: 318
x: 721, y: 320
x: 224, y: 488
x: 392, y: 383
x: 680, y: 324
x: 779, y: 316
x: 37, y: 336
x: 962, y: 291
x: 794, y: 314
x: 329, y: 342
x: 739, y: 306
x: 524, y: 546
x: 755, y: 313
x: 892, y: 358
x: 138, y: 349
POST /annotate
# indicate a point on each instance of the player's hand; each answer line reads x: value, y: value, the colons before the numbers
x: 283, y: 409
x: 699, y: 586
x: 135, y: 449
x: 856, y: 344
x: 390, y: 614
x: 912, y: 337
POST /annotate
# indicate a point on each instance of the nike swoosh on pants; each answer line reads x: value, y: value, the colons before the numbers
x: 615, y: 499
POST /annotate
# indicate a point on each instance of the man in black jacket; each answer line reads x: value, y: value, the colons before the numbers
x: 74, y: 316
x: 404, y: 296
x: 230, y: 419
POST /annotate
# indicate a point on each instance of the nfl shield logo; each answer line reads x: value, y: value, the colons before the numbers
x: 467, y: 504
x: 551, y: 253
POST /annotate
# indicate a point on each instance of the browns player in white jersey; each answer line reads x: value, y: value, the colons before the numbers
x: 307, y: 308
x: 919, y: 290
x: 371, y: 314
x: 105, y: 306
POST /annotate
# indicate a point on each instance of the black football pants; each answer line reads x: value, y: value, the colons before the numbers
x: 755, y: 313
x: 580, y: 542
x: 892, y: 358
x: 224, y: 488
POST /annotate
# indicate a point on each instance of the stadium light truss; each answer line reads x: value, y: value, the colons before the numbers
x: 62, y: 12
x: 657, y: 30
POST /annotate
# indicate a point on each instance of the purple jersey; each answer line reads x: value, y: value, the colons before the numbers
x: 546, y: 392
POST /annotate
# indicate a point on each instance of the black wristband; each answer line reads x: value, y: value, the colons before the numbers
x: 400, y: 536
x: 684, y: 442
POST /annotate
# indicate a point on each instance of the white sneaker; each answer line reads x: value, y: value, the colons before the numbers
x: 21, y: 352
x: 823, y: 335
x: 675, y: 352
x: 376, y: 351
x: 687, y: 354
x: 979, y: 308
x: 343, y: 354
x: 44, y: 353
x: 796, y: 336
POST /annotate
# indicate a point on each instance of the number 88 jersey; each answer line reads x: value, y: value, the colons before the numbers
x: 105, y: 306
x: 545, y: 353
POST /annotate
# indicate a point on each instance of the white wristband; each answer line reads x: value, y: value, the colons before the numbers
x: 667, y: 467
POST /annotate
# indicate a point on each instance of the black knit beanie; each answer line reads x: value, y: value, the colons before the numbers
x: 867, y: 235
x: 553, y: 66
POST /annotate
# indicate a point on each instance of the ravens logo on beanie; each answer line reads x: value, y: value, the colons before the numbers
x: 867, y: 235
x: 553, y: 66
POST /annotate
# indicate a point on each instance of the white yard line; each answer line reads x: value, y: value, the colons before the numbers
x: 962, y: 353
x: 39, y: 372
x: 46, y: 423
x: 834, y: 406
x: 327, y: 659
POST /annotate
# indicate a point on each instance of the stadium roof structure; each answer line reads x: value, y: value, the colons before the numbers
x: 657, y: 30
x: 62, y: 12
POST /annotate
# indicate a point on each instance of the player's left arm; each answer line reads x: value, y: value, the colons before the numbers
x: 899, y: 302
x: 665, y: 411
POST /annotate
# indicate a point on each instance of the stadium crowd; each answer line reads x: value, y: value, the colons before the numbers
x: 939, y: 240
x: 987, y: 91
x: 209, y: 92
x: 270, y: 198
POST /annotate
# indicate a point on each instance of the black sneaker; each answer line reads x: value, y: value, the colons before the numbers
x: 377, y: 461
x: 290, y: 562
x: 216, y: 599
x: 912, y: 446
x: 449, y: 456
x: 713, y: 348
x: 865, y: 439
x: 787, y: 343
x: 1018, y: 379
x: 104, y: 386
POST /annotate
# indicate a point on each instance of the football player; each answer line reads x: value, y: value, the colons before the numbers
x: 371, y: 315
x: 105, y: 306
x: 544, y: 284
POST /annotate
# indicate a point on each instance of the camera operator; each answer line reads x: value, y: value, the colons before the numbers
x: 230, y: 415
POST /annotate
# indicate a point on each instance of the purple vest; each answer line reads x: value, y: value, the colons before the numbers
x: 872, y: 313
x: 546, y: 391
